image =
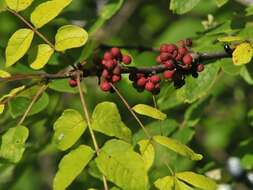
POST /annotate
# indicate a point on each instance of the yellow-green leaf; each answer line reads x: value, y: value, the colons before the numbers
x: 179, y: 185
x: 177, y: 147
x: 70, y: 36
x: 148, y: 153
x: 18, y: 45
x: 13, y: 143
x: 2, y: 108
x: 197, y: 180
x: 47, y: 11
x: 71, y: 165
x: 165, y: 183
x: 229, y: 39
x: 18, y: 5
x: 242, y: 54
x: 149, y: 111
x: 43, y: 56
x: 4, y: 74
x: 68, y: 129
x: 13, y: 92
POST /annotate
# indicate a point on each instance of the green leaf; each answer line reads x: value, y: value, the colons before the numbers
x: 148, y: 153
x: 197, y: 88
x: 43, y: 56
x: 12, y: 93
x: 2, y: 5
x: 18, y: 5
x: 70, y: 36
x: 106, y: 119
x: 149, y: 111
x: 13, y: 143
x: 247, y: 161
x: 245, y: 74
x: 249, y: 11
x: 197, y: 180
x: 122, y: 166
x: 71, y: 166
x: 229, y: 39
x: 63, y: 86
x: 183, y: 6
x: 68, y: 129
x: 221, y: 2
x: 19, y: 104
x: 2, y: 106
x: 110, y: 8
x: 47, y: 11
x: 177, y: 147
x: 18, y: 45
x: 165, y: 183
x: 4, y: 74
x: 242, y: 54
x: 179, y: 185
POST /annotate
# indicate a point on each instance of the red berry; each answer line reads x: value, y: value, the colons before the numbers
x: 116, y: 78
x: 115, y: 52
x: 149, y: 86
x: 108, y: 56
x: 105, y: 73
x: 117, y: 70
x: 200, y: 67
x: 155, y: 79
x: 163, y: 48
x: 168, y: 74
x: 182, y: 50
x: 178, y: 57
x: 175, y: 53
x: 103, y: 62
x: 105, y: 86
x: 169, y: 64
x: 165, y: 56
x: 158, y: 59
x: 72, y: 83
x: 141, y: 81
x: 187, y: 59
x: 171, y: 48
x: 139, y: 75
x: 126, y: 59
x: 110, y: 64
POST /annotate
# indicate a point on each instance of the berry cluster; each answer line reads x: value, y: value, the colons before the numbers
x: 178, y: 61
x: 111, y: 67
x: 142, y: 82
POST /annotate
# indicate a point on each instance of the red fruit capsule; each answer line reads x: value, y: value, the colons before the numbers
x: 155, y: 79
x: 188, y: 42
x: 115, y: 52
x: 168, y: 74
x: 149, y: 86
x: 187, y: 59
x: 108, y: 56
x: 158, y: 59
x: 169, y: 64
x: 171, y: 48
x: 72, y: 83
x: 163, y: 48
x: 105, y: 86
x: 182, y: 50
x: 165, y: 56
x: 126, y: 59
x: 110, y: 64
x: 117, y: 70
x: 141, y: 82
x: 181, y: 43
x: 105, y: 73
x: 116, y: 78
x: 200, y: 67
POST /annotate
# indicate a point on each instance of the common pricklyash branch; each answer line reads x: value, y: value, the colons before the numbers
x: 175, y: 62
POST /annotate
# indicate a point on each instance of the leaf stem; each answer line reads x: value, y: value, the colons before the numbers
x: 87, y: 116
x: 35, y: 98
x: 131, y: 111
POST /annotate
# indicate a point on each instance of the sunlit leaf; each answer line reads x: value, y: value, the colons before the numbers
x: 107, y: 120
x: 13, y: 143
x: 221, y: 2
x: 71, y: 166
x: 177, y: 147
x: 242, y: 54
x: 197, y: 180
x: 122, y: 166
x: 149, y: 111
x: 165, y: 183
x: 18, y: 5
x: 47, y: 11
x: 68, y: 129
x: 70, y: 36
x: 4, y: 74
x: 182, y: 6
x: 148, y: 152
x: 18, y: 45
x: 43, y: 56
x: 229, y: 38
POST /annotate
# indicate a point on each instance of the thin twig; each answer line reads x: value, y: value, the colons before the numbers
x: 32, y: 28
x: 87, y: 116
x: 35, y: 98
x: 131, y: 111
